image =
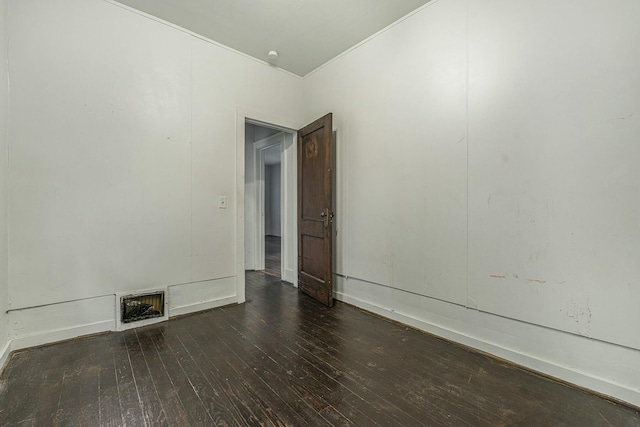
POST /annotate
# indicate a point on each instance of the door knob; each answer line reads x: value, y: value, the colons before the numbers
x: 325, y: 217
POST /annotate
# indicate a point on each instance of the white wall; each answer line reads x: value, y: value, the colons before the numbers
x: 4, y: 112
x: 488, y: 181
x: 272, y: 184
x: 123, y: 135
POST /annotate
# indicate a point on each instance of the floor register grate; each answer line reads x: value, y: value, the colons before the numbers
x: 134, y: 308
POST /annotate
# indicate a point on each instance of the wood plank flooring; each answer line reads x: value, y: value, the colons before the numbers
x: 283, y: 359
x: 272, y: 252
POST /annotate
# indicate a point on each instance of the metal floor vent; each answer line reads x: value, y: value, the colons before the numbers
x: 141, y: 309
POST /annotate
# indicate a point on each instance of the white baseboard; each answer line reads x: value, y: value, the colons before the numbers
x: 200, y: 306
x: 56, y: 322
x: 61, y: 334
x: 605, y: 368
x: 34, y: 326
x: 191, y: 297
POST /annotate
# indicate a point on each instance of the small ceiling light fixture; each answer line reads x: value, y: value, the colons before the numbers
x: 273, y: 55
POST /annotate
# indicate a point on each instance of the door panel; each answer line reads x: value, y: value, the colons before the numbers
x: 314, y: 265
x: 315, y: 210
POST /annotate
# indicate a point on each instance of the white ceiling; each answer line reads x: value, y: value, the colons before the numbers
x: 305, y: 33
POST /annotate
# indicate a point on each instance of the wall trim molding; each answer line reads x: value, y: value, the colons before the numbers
x: 49, y: 324
x: 548, y: 368
x: 201, y: 306
x: 49, y: 337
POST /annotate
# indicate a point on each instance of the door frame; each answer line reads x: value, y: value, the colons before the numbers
x: 286, y: 124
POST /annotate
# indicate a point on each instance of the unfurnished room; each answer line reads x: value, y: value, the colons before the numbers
x: 319, y: 213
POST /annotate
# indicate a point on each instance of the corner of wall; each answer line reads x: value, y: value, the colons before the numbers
x: 5, y: 346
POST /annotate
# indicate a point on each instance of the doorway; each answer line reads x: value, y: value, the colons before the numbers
x: 270, y: 200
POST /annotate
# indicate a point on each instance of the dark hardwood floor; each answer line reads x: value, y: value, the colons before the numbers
x: 284, y: 359
x: 272, y: 252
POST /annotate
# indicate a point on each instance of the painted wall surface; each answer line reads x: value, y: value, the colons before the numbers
x: 488, y: 180
x: 4, y: 112
x: 554, y: 200
x: 224, y: 80
x: 402, y: 154
x: 101, y: 152
x: 273, y: 215
x: 123, y: 137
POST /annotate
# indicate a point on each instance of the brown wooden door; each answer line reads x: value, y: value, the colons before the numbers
x: 315, y: 212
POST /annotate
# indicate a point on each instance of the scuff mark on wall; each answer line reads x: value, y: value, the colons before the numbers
x: 581, y: 316
x: 537, y: 281
x: 495, y: 276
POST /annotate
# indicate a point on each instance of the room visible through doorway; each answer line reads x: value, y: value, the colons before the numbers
x: 272, y: 211
x: 270, y: 189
